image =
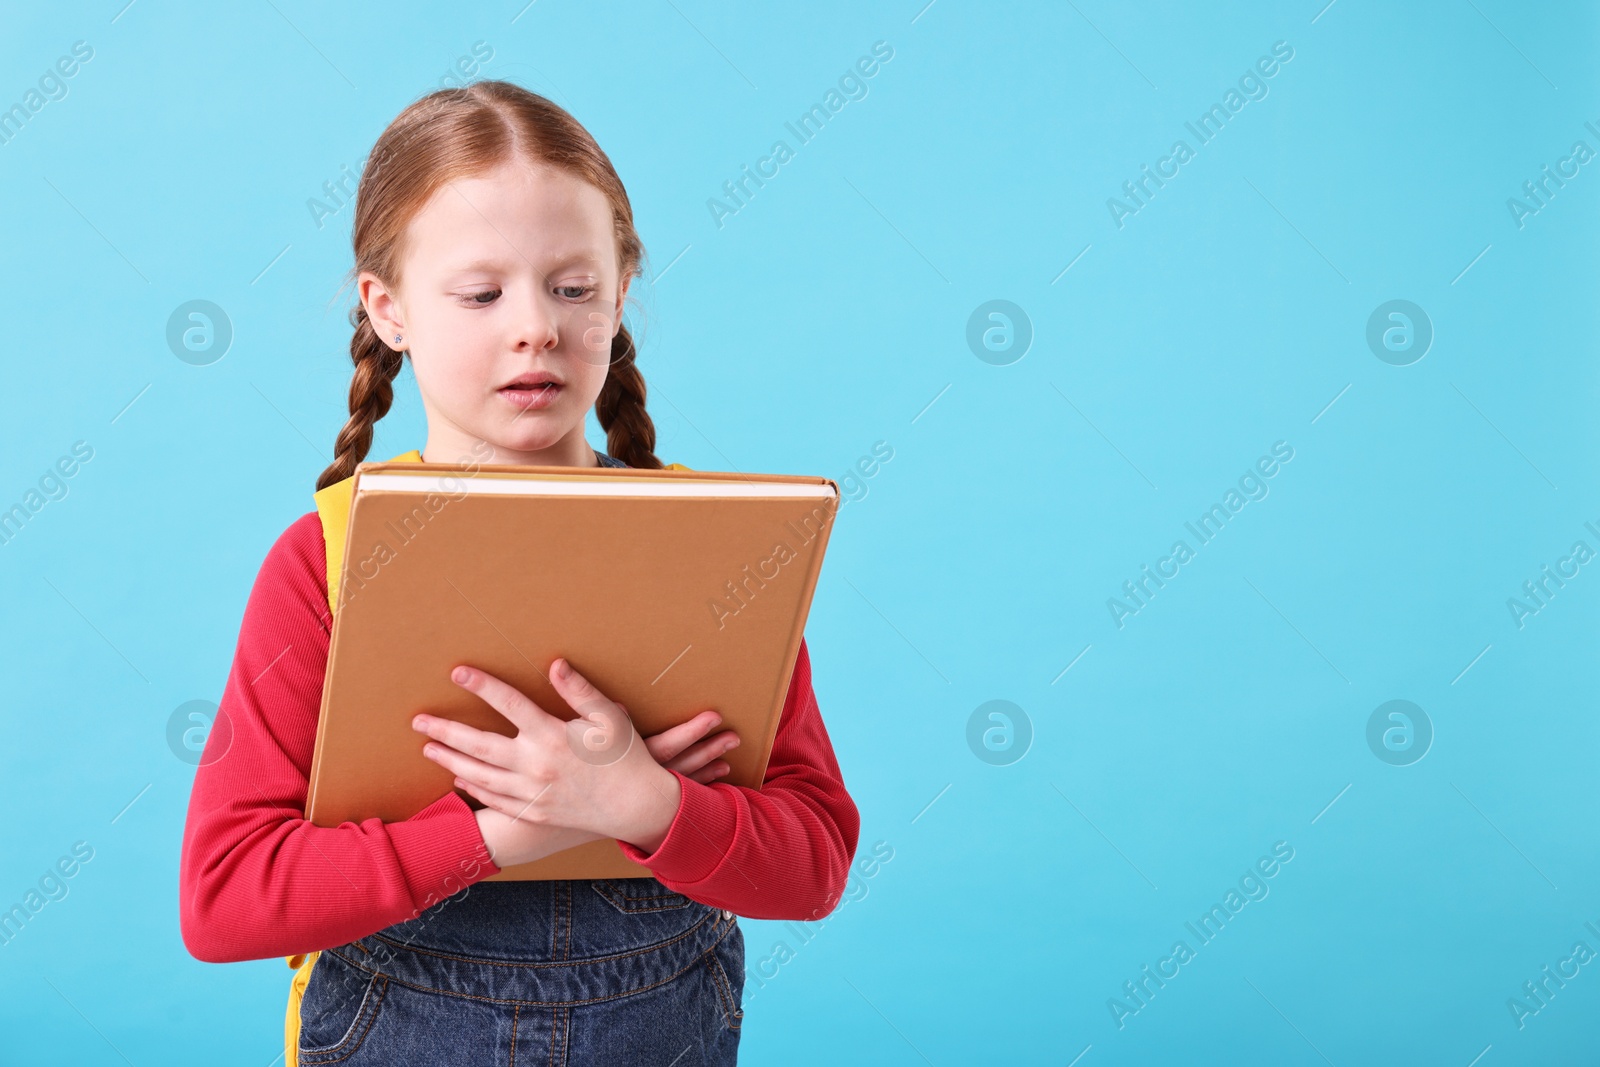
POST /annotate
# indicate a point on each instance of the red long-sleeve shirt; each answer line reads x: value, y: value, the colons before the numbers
x: 257, y: 880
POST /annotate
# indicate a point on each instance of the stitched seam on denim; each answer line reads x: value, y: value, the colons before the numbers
x: 645, y: 911
x: 622, y: 891
x: 537, y: 965
x: 566, y: 1035
x: 355, y: 1023
x: 555, y: 1024
x: 566, y: 898
x: 382, y: 983
x: 619, y: 904
x: 516, y: 1009
x: 730, y: 1011
x: 534, y: 1003
x: 555, y: 920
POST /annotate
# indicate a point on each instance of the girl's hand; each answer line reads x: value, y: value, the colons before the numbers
x: 593, y: 774
x: 512, y: 841
x: 675, y: 748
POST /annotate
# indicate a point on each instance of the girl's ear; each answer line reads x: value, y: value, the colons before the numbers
x: 382, y: 308
x: 622, y: 296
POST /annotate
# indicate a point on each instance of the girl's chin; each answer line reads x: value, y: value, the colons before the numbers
x: 520, y: 437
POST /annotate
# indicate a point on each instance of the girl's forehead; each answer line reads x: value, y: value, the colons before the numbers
x: 514, y: 211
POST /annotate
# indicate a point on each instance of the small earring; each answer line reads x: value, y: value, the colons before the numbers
x: 397, y: 338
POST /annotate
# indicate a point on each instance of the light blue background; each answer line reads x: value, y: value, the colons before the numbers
x: 831, y: 313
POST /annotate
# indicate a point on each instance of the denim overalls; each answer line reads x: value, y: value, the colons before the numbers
x: 608, y: 971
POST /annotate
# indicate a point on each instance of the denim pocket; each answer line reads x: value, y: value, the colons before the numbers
x: 726, y: 964
x: 337, y: 1011
x: 630, y: 895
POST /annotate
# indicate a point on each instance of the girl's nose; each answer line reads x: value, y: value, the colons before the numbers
x: 537, y: 325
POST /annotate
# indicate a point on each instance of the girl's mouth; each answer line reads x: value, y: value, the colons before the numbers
x: 531, y: 397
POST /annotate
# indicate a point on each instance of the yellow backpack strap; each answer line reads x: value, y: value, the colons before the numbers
x: 302, y: 963
x: 333, y: 508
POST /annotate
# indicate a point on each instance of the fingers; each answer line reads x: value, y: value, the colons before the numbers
x: 709, y: 773
x: 701, y: 754
x: 486, y: 775
x: 483, y: 745
x: 508, y: 806
x: 671, y: 742
x: 574, y: 688
x: 507, y: 699
x: 602, y: 733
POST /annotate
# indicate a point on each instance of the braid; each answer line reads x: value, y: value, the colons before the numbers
x: 371, y: 393
x: 630, y: 434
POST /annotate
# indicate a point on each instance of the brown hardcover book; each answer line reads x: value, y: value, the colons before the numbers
x: 672, y: 591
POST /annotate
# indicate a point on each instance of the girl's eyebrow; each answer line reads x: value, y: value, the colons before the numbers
x: 490, y: 263
x: 486, y: 263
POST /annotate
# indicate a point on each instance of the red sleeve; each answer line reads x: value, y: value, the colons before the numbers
x: 256, y: 879
x: 779, y: 852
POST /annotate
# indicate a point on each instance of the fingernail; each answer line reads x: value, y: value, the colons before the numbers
x: 734, y: 743
x: 460, y: 675
x: 419, y: 723
x: 558, y: 669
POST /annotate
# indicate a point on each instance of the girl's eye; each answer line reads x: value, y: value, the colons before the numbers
x: 484, y: 297
x: 581, y: 291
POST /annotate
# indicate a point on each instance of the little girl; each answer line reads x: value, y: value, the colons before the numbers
x: 494, y: 245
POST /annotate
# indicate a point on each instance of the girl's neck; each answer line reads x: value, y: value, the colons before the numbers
x: 571, y: 451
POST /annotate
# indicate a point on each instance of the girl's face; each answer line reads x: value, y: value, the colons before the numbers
x: 509, y: 280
